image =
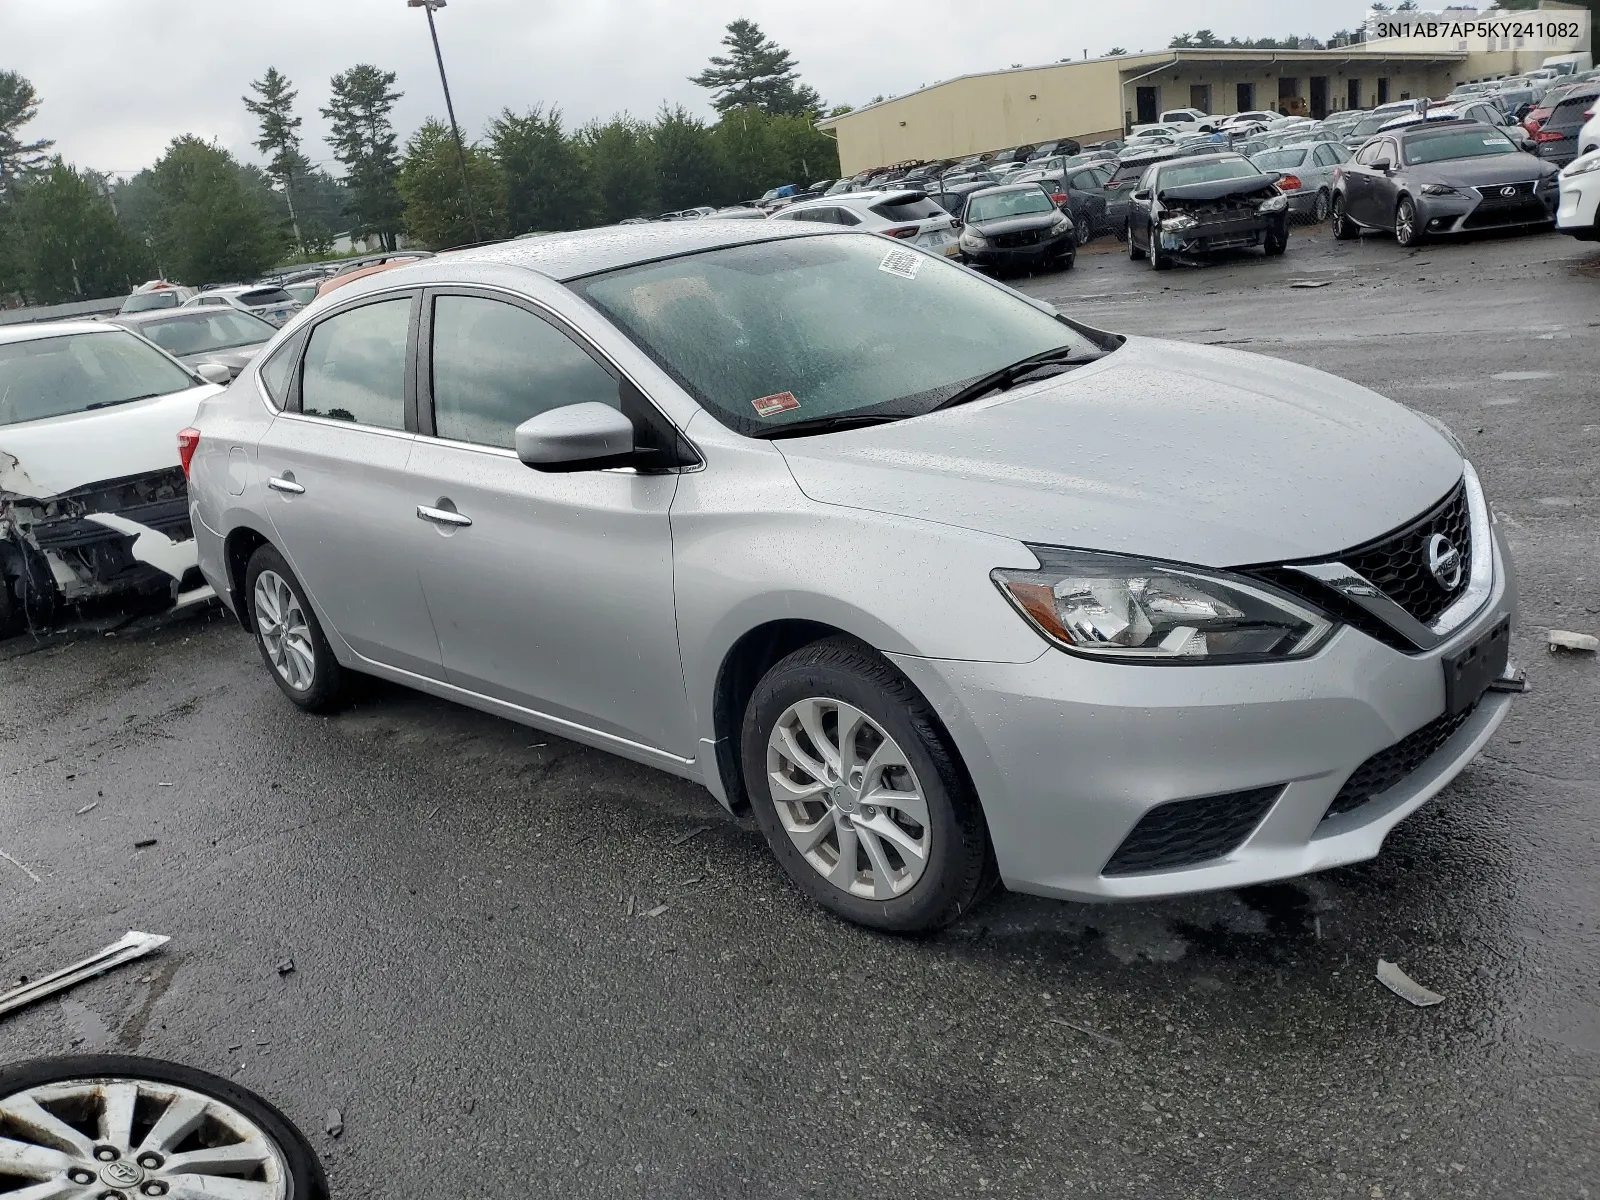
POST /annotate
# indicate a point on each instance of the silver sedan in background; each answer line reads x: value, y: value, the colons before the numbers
x: 943, y: 586
x: 1307, y: 171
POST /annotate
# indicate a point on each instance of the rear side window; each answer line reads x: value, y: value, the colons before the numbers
x: 1570, y: 111
x: 918, y: 209
x: 495, y: 365
x: 266, y: 296
x: 356, y: 366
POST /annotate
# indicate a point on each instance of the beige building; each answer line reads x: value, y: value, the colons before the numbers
x: 1101, y: 98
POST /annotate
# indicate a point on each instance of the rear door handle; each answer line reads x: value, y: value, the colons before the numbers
x: 278, y: 484
x: 442, y: 516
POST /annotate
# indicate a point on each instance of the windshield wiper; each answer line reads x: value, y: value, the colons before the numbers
x: 827, y: 425
x: 1007, y: 377
x: 129, y: 400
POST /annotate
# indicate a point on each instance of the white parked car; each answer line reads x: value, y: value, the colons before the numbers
x: 1190, y: 120
x: 1589, y: 135
x: 1256, y: 116
x: 155, y: 295
x: 907, y: 215
x: 1579, y: 213
x: 92, y: 494
x: 267, y: 301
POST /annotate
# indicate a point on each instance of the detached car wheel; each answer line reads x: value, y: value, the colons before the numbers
x: 288, y: 635
x: 1407, y: 230
x: 859, y: 794
x: 1343, y: 227
x: 106, y: 1125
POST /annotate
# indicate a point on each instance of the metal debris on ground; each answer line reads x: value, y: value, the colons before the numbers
x: 20, y: 867
x: 1310, y: 283
x: 163, y: 785
x: 1086, y: 1031
x: 1407, y: 988
x: 627, y: 909
x: 144, y: 843
x: 690, y: 835
x: 130, y: 946
x: 1580, y: 643
x: 657, y: 910
x: 87, y: 808
x: 286, y: 966
x: 335, y: 1123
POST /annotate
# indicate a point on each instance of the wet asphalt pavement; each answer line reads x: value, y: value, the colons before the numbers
x: 469, y: 992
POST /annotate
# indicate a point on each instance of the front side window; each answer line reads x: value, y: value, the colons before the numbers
x: 1475, y: 141
x: 495, y: 365
x: 1000, y: 206
x: 54, y: 376
x: 777, y: 332
x: 356, y: 366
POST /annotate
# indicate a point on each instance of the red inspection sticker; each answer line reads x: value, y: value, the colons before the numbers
x: 769, y: 406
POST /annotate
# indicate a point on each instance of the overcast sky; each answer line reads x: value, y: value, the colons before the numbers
x: 121, y: 78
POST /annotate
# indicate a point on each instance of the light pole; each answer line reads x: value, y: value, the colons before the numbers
x: 461, y: 153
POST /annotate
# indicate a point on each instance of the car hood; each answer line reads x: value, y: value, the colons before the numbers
x: 45, y: 458
x: 1188, y: 453
x: 235, y: 359
x: 1216, y: 189
x: 1482, y: 172
x: 1014, y: 224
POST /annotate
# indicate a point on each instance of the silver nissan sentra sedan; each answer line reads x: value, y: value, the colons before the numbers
x: 945, y: 587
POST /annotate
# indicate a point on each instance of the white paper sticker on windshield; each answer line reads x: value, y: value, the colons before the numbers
x: 904, y: 263
x: 1492, y: 141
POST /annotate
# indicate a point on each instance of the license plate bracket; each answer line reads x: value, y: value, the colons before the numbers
x: 1469, y: 672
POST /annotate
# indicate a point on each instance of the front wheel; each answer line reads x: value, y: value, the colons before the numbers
x: 1343, y: 227
x: 1276, y: 241
x: 859, y: 793
x: 1158, y: 260
x: 288, y: 634
x: 1407, y: 231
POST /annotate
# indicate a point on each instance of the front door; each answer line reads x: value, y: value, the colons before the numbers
x: 338, y: 494
x: 1383, y: 192
x: 552, y: 591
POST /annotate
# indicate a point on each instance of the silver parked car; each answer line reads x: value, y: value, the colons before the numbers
x: 942, y: 585
x: 1306, y: 174
x: 268, y: 301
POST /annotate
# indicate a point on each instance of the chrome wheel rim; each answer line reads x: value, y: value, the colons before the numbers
x: 1337, y: 213
x: 285, y: 632
x: 848, y: 798
x: 130, y: 1138
x: 1404, y: 223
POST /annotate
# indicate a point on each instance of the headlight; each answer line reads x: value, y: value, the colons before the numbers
x: 1438, y: 189
x: 1178, y: 223
x: 1582, y: 165
x: 1060, y: 221
x: 1135, y: 610
x: 1274, y: 204
x: 972, y: 241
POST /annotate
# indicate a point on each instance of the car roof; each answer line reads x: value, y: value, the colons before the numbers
x: 1191, y: 159
x: 37, y: 331
x: 1417, y: 127
x: 1024, y: 186
x: 572, y: 255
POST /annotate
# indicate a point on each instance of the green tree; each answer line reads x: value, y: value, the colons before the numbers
x: 214, y: 221
x: 547, y: 176
x: 756, y: 72
x: 1114, y: 51
x: 280, y: 136
x: 363, y: 140
x: 68, y: 244
x: 430, y: 187
x: 622, y: 167
x: 687, y: 170
x: 19, y: 104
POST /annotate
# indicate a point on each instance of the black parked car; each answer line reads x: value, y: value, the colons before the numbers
x: 1016, y: 225
x: 203, y: 335
x: 1079, y: 191
x: 953, y: 197
x: 1187, y: 207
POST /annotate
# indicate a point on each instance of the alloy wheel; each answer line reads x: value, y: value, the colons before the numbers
x: 1405, y: 223
x: 285, y: 632
x: 122, y: 1139
x: 848, y: 798
x: 1320, y: 213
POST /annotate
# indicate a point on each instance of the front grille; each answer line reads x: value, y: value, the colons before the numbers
x: 1012, y: 241
x: 1494, y: 197
x: 1524, y: 212
x: 1388, y: 767
x: 1398, y: 562
x: 1186, y: 832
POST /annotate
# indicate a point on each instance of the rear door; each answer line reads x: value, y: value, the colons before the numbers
x: 551, y: 591
x: 334, y: 465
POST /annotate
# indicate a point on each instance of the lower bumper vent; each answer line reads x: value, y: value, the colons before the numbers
x: 1388, y: 767
x: 1186, y: 832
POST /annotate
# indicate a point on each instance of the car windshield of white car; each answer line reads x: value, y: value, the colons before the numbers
x: 198, y: 332
x: 54, y: 376
x: 833, y: 326
x: 998, y: 206
x: 1207, y: 172
x: 1475, y: 141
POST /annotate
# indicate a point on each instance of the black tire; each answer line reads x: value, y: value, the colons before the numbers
x: 1321, y: 207
x: 1158, y: 260
x: 1407, y: 232
x: 1134, y: 253
x: 1068, y: 260
x: 1276, y: 241
x: 960, y: 867
x: 328, y: 679
x: 305, y: 1177
x: 1343, y: 227
x: 1082, y: 231
x: 12, y: 621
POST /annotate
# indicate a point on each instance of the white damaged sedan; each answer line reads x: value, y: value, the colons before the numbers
x: 93, y: 500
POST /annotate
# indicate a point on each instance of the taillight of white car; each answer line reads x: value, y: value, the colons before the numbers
x: 188, y: 443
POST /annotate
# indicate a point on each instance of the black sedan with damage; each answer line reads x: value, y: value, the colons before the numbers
x: 1184, y: 208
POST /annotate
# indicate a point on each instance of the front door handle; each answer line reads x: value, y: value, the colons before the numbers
x: 279, y: 484
x: 442, y: 516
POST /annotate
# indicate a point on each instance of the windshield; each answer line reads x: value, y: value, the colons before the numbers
x: 1475, y: 141
x: 784, y: 331
x: 203, y: 331
x: 1279, y: 160
x: 50, y: 377
x: 149, y: 302
x: 1207, y: 172
x: 997, y: 206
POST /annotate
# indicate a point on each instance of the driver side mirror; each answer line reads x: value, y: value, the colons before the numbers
x: 1384, y: 165
x: 215, y: 373
x: 576, y: 437
x: 1142, y: 197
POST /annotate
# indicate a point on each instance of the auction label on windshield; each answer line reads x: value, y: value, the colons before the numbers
x: 771, y: 406
x: 904, y: 263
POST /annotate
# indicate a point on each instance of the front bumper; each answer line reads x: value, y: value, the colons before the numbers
x: 1579, y: 211
x: 1068, y: 754
x: 1211, y: 234
x: 1057, y: 246
x: 1468, y: 212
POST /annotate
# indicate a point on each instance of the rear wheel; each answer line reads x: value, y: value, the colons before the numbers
x: 1134, y: 253
x: 1343, y: 227
x: 288, y: 635
x: 1319, y: 213
x: 859, y: 793
x: 1081, y: 231
x: 1407, y: 231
